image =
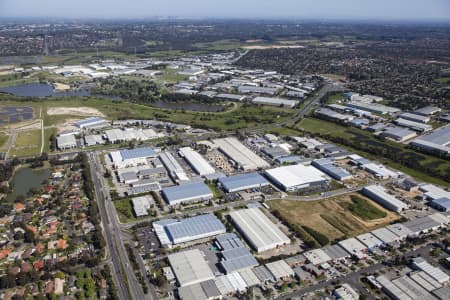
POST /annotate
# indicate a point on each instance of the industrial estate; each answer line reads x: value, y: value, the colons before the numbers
x: 196, y: 175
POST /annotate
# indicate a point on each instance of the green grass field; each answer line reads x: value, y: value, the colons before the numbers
x: 3, y: 139
x: 219, y: 45
x: 363, y: 209
x: 124, y: 210
x: 27, y: 143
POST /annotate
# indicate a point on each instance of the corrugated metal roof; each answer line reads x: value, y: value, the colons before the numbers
x: 137, y: 153
x: 187, y: 192
x: 242, y: 182
x: 194, y: 228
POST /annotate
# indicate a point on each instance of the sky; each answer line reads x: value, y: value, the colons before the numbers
x: 421, y: 10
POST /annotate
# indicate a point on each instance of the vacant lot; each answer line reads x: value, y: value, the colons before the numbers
x: 78, y: 111
x: 28, y: 143
x: 331, y: 217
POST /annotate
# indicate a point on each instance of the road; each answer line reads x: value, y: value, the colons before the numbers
x: 353, y: 278
x: 123, y: 275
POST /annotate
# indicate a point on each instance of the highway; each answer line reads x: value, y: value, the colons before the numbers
x: 127, y: 285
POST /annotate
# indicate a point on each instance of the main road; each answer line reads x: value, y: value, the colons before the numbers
x: 127, y: 285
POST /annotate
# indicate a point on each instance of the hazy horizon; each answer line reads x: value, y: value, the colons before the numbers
x: 399, y: 10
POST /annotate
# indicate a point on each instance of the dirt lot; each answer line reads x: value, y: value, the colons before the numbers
x: 329, y: 217
x: 76, y: 111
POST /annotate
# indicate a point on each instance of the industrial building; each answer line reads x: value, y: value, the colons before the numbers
x: 297, y: 177
x: 117, y: 135
x: 398, y: 134
x: 329, y: 114
x: 354, y: 247
x: 400, y: 230
x: 190, y: 267
x: 205, y: 290
x: 259, y: 231
x: 428, y: 110
x: 393, y: 291
x: 415, y: 117
x: 378, y: 194
x: 66, y: 142
x: 385, y: 235
x: 89, y: 123
x: 247, y: 89
x: 94, y: 139
x: 131, y: 158
x: 187, y: 193
x: 336, y: 252
x: 141, y: 205
x: 172, y: 232
x: 317, y: 256
x: 436, y: 142
x: 232, y: 184
x: 328, y: 166
x: 174, y: 168
x: 424, y: 225
x: 280, y: 269
x: 275, y: 152
x: 231, y: 97
x: 346, y: 292
x: 275, y: 101
x: 369, y: 240
x: 373, y: 107
x: 243, y: 157
x: 441, y: 204
x: 434, y: 272
x: 432, y: 192
x: 196, y: 161
x: 235, y: 256
x: 416, y: 126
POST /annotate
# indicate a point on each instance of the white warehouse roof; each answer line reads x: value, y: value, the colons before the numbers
x: 280, y: 269
x: 260, y: 232
x: 197, y: 162
x: 190, y: 267
x: 244, y: 157
x: 296, y: 176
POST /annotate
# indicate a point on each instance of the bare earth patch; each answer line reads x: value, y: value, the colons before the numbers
x: 76, y: 111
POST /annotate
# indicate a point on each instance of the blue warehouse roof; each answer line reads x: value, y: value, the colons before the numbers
x: 235, y: 256
x: 242, y: 182
x: 193, y: 227
x: 187, y: 192
x: 137, y: 153
x: 443, y: 203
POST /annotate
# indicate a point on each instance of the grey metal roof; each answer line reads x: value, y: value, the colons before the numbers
x: 137, y: 153
x: 193, y: 227
x: 335, y: 252
x: 421, y: 224
x: 328, y: 166
x: 242, y: 182
x: 442, y: 202
x: 443, y: 293
x: 186, y: 191
x: 235, y: 255
x: 263, y: 273
x: 440, y: 136
x: 427, y: 110
x: 274, y: 152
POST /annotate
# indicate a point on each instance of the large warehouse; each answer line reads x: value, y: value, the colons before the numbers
x: 244, y: 158
x: 171, y: 232
x: 131, y: 158
x: 187, y: 193
x: 174, y: 168
x: 379, y: 195
x: 275, y: 101
x: 297, y: 177
x: 259, y: 231
x: 190, y: 267
x: 196, y: 161
x: 328, y: 166
x: 437, y: 141
x: 242, y: 182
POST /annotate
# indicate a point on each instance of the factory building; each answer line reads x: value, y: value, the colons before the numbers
x: 379, y: 195
x: 141, y: 205
x: 187, y: 193
x: 354, y: 248
x: 131, y: 158
x: 259, y: 231
x: 280, y: 269
x: 385, y: 235
x: 66, y: 142
x: 327, y: 166
x: 232, y: 184
x: 436, y: 142
x: 174, y: 168
x: 416, y: 126
x: 190, y: 267
x: 428, y: 110
x: 235, y: 256
x: 432, y: 192
x: 373, y: 107
x: 398, y: 134
x: 275, y: 101
x: 196, y: 161
x: 434, y: 272
x: 369, y: 240
x: 173, y: 232
x: 247, y: 89
x: 90, y: 123
x: 415, y: 117
x: 441, y: 204
x: 329, y: 114
x: 243, y: 157
x: 297, y: 177
x: 231, y: 97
